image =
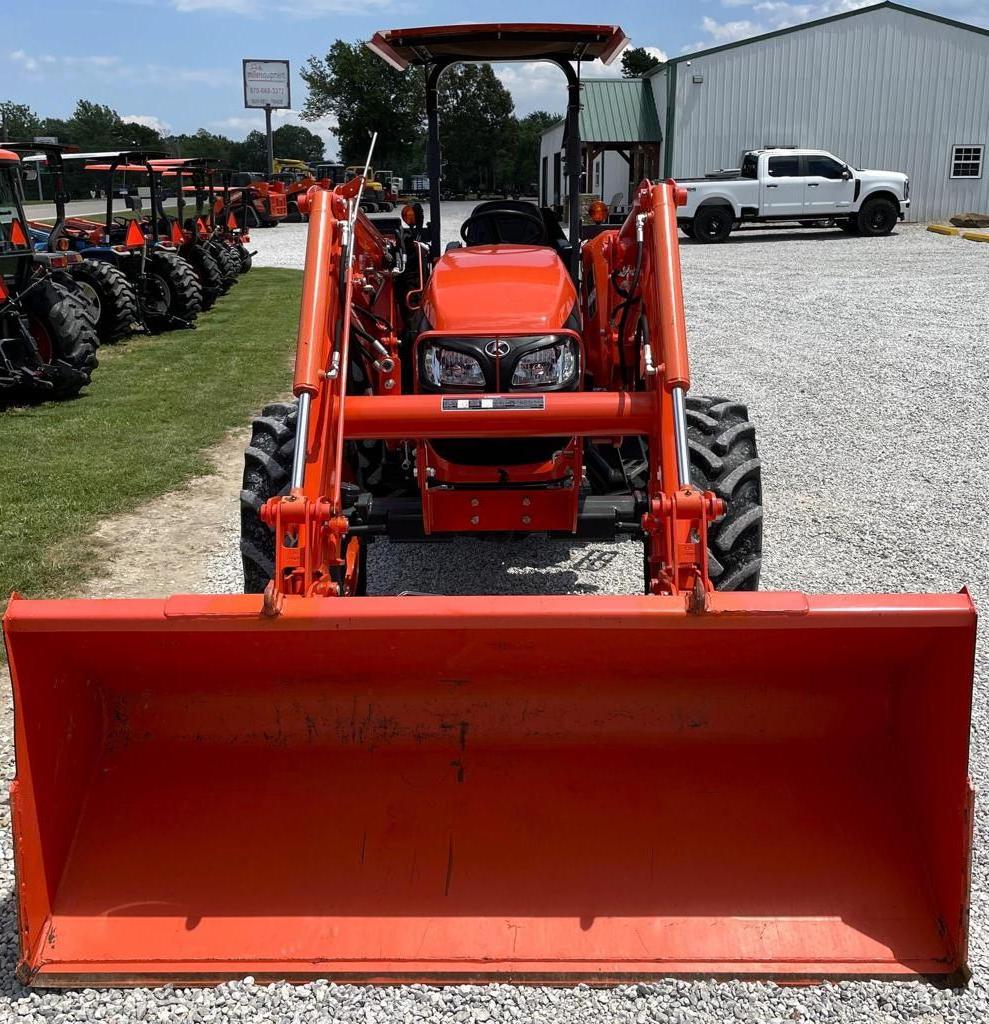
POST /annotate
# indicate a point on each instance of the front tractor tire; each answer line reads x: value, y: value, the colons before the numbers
x: 724, y: 459
x: 268, y: 474
x: 112, y: 297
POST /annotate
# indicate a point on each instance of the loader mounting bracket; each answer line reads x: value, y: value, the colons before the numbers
x: 676, y: 542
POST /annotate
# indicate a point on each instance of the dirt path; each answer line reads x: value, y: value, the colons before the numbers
x: 164, y: 546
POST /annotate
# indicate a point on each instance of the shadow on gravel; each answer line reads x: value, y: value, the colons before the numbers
x: 743, y: 237
x: 530, y: 566
x: 10, y: 988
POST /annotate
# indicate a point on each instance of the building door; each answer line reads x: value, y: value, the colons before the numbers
x: 783, y: 188
x: 556, y: 179
x: 544, y: 182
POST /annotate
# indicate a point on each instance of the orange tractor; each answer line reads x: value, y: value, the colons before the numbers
x: 305, y: 780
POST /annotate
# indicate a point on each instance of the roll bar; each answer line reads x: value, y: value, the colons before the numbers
x: 434, y: 160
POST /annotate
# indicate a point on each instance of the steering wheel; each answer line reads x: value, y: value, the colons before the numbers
x: 534, y: 221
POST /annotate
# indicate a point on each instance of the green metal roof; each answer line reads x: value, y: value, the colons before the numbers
x: 618, y: 110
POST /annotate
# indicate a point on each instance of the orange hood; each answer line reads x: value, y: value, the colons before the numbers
x: 499, y: 287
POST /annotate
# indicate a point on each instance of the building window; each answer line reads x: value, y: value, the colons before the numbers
x: 966, y: 161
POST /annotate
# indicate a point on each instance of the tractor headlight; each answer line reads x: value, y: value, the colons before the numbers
x: 549, y: 366
x: 445, y: 367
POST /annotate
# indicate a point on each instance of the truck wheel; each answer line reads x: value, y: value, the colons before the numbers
x: 723, y: 459
x: 294, y: 215
x: 687, y: 227
x: 713, y: 223
x: 877, y: 217
x: 172, y: 288
x: 112, y: 297
x: 64, y: 336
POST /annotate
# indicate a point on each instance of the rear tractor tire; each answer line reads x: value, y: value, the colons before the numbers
x: 173, y: 288
x: 64, y: 336
x: 112, y: 297
x: 267, y: 474
x: 723, y: 459
x: 229, y: 263
x: 245, y: 257
x: 208, y: 272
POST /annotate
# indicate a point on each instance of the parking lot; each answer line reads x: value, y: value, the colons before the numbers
x: 864, y: 365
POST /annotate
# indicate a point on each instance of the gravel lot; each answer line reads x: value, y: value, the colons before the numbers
x: 864, y: 364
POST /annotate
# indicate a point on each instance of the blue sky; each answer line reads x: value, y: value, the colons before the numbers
x: 176, y: 64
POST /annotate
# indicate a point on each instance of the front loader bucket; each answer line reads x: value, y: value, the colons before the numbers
x: 458, y: 789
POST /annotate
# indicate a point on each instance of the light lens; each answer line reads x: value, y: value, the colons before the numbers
x: 546, y: 367
x: 445, y: 367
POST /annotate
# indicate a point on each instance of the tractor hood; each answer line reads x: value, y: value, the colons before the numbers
x: 499, y: 287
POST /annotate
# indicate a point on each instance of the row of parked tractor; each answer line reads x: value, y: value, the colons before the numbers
x: 381, y: 193
x: 72, y: 284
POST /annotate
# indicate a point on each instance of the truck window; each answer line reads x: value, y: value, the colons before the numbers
x: 824, y: 167
x: 784, y: 166
x: 750, y: 166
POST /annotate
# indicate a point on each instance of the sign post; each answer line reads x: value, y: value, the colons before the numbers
x: 267, y: 87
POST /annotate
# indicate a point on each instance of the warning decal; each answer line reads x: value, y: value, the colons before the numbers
x: 496, y: 402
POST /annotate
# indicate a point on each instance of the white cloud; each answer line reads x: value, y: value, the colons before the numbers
x: 116, y: 69
x: 770, y: 15
x: 149, y: 121
x: 729, y: 31
x: 539, y: 85
x: 655, y: 51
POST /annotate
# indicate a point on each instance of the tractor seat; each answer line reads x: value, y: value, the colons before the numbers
x: 511, y: 221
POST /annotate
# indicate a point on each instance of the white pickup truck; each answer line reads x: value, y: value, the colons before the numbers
x: 805, y: 185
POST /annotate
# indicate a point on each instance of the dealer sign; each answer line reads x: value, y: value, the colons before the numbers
x: 266, y: 84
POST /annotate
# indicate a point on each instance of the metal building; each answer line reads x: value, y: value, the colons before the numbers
x: 886, y: 87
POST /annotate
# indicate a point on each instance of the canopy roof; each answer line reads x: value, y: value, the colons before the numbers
x: 41, y: 147
x: 401, y: 47
x: 110, y: 154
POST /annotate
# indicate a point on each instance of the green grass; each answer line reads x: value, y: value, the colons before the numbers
x: 139, y: 430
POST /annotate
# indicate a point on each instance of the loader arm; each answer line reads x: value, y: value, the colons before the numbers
x: 309, y: 522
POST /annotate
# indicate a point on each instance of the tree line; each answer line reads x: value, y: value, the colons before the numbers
x: 486, y: 147
x: 94, y: 127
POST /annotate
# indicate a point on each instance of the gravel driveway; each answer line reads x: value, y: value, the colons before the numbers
x: 865, y: 365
